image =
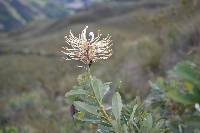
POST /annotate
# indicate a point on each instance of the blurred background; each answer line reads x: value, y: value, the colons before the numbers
x: 149, y: 36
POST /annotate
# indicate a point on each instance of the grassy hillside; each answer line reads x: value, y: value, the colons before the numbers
x: 149, y: 38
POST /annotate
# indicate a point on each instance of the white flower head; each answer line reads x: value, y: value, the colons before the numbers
x: 87, y: 49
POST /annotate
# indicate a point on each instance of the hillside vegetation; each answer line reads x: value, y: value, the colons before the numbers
x: 149, y: 38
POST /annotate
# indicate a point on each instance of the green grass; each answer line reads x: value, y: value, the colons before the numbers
x: 21, y: 71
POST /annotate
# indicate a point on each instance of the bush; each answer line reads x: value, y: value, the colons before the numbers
x: 177, y: 98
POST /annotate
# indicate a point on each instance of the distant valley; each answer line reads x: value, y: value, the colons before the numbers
x: 15, y: 13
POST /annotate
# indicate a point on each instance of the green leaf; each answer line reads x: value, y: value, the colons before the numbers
x: 76, y: 92
x: 79, y: 115
x: 105, y: 123
x: 187, y: 71
x: 125, y: 128
x: 148, y: 121
x: 81, y: 106
x: 100, y: 89
x: 86, y: 118
x: 103, y: 129
x: 133, y: 113
x: 117, y: 105
x: 179, y: 97
x: 187, y: 74
x: 115, y: 126
x: 160, y: 123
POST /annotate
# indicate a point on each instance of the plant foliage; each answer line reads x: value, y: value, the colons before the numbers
x: 88, y: 97
x: 177, y: 97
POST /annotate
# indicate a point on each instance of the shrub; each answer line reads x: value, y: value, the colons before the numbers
x: 88, y: 97
x: 178, y: 97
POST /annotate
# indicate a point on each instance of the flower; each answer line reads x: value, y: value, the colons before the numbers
x: 87, y: 49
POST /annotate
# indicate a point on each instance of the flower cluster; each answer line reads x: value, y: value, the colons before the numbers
x: 87, y: 49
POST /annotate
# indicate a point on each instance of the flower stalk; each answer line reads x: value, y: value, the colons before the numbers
x: 102, y: 109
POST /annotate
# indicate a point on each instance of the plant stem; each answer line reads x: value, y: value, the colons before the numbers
x: 103, y: 111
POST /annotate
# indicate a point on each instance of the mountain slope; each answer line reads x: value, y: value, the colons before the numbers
x: 34, y: 80
x: 15, y: 13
